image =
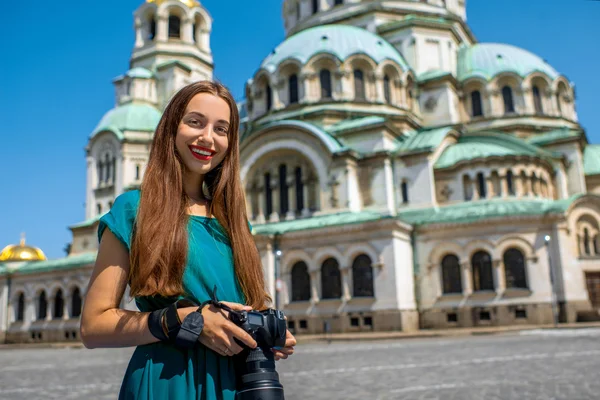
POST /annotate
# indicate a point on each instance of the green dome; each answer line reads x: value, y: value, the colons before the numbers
x: 486, y: 60
x: 129, y: 117
x: 341, y: 41
x: 487, y: 145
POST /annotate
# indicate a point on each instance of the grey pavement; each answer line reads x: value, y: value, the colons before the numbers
x: 536, y: 364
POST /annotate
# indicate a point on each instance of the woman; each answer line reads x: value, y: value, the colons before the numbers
x: 164, y: 243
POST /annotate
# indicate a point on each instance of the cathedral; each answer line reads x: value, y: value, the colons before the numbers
x: 399, y: 174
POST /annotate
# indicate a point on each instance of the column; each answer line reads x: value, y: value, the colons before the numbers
x: 520, y: 186
x: 467, y: 278
x: 305, y: 184
x: 315, y: 281
x: 504, y: 185
x: 346, y: 293
x: 491, y: 190
x: 66, y: 302
x: 475, y: 188
x: 291, y: 184
x: 500, y: 276
x: 378, y: 83
x: 274, y: 217
x: 139, y: 33
x: 305, y: 88
x: 260, y: 218
x: 162, y: 28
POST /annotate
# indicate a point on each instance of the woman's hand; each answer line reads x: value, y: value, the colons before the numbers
x: 219, y: 332
x: 288, y: 350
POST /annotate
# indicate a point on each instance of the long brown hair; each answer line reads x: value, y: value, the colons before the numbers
x: 160, y: 243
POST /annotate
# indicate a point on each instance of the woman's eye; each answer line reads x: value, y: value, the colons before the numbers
x: 222, y: 130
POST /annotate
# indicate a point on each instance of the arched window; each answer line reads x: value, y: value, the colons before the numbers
x: 507, y: 95
x: 315, y: 6
x: 300, y: 282
x: 481, y: 185
x: 269, y: 95
x: 596, y: 245
x: 42, y: 306
x: 98, y: 208
x: 100, y: 170
x: 404, y: 189
x: 325, y: 78
x: 75, y: 303
x: 137, y: 172
x: 362, y: 277
x: 537, y: 100
x: 21, y: 307
x: 107, y: 165
x: 514, y: 269
x: 283, y: 191
x: 268, y: 194
x: 299, y: 190
x: 524, y: 184
x: 586, y: 242
x: 298, y: 11
x: 174, y: 27
x: 359, y: 85
x: 338, y: 2
x: 114, y: 169
x: 293, y: 87
x: 510, y: 183
x: 387, y: 90
x: 476, y: 106
x: 59, y: 304
x: 451, y: 276
x: 331, y: 279
x: 152, y: 31
x: 482, y: 271
x: 558, y: 103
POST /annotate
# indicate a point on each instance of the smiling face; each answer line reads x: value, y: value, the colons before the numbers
x: 203, y: 134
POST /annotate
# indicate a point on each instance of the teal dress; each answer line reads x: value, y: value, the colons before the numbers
x: 162, y: 371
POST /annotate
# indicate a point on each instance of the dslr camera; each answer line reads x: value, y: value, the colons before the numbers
x: 255, y: 368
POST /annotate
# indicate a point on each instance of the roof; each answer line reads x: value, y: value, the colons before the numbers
x: 553, y: 136
x: 423, y: 140
x: 71, y: 262
x: 129, y: 117
x: 591, y: 159
x: 473, y: 211
x: 486, y: 60
x: 487, y: 144
x: 140, y: 72
x: 355, y: 123
x: 329, y: 141
x: 87, y: 222
x: 341, y: 41
x: 320, y: 221
x: 432, y: 75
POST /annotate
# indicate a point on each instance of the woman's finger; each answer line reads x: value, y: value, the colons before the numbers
x: 233, y: 346
x: 237, y: 306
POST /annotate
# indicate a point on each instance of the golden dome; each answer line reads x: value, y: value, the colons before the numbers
x: 21, y: 252
x: 189, y: 3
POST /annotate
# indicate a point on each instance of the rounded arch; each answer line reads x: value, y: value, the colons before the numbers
x: 537, y: 76
x: 560, y: 82
x: 586, y: 205
x: 325, y: 253
x: 359, y: 60
x: 356, y: 250
x: 323, y: 60
x: 391, y: 67
x: 293, y: 256
x: 300, y: 281
x: 250, y: 154
x: 513, y: 241
x: 443, y: 249
x: 172, y: 7
x: 19, y: 302
x: 478, y: 245
x: 200, y: 14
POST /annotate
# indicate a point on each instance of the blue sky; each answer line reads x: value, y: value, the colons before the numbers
x: 60, y: 57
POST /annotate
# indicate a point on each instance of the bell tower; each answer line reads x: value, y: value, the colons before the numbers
x: 172, y: 39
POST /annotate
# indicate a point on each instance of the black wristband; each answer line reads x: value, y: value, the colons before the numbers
x: 172, y: 318
x: 156, y: 326
x: 190, y: 330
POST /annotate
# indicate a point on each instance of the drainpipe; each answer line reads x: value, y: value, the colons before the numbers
x: 416, y: 274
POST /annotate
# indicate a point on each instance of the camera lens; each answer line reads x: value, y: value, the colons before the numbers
x: 258, y: 379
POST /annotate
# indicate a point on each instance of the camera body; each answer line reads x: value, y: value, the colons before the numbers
x: 267, y: 327
x: 256, y: 375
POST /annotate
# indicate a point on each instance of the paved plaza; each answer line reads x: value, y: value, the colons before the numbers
x: 544, y: 364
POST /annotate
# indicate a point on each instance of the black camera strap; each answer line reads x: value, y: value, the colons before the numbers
x: 214, y: 301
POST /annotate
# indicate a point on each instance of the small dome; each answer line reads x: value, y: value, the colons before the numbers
x: 21, y: 252
x: 189, y: 3
x: 486, y: 60
x: 341, y: 41
x: 130, y: 117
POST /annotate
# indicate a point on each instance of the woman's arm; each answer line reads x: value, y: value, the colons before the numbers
x: 103, y: 324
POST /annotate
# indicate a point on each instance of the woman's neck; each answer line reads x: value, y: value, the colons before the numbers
x: 192, y: 186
